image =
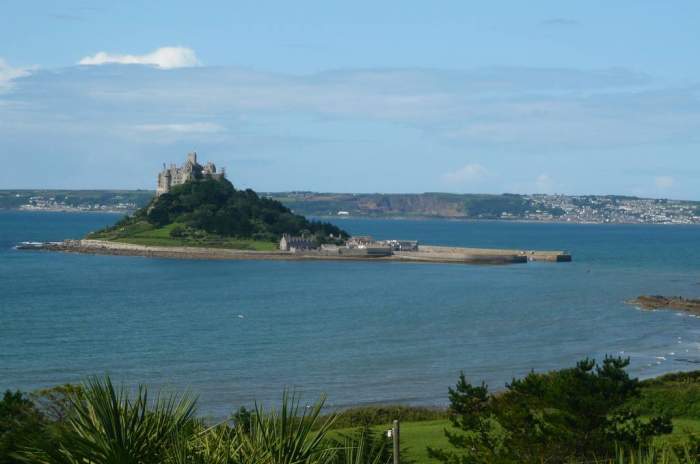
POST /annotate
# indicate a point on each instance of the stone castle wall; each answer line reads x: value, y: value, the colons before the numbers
x: 190, y: 170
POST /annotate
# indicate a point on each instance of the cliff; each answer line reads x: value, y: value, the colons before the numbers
x: 476, y: 206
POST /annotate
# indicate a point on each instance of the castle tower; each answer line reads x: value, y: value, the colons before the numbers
x: 165, y: 181
x: 190, y: 170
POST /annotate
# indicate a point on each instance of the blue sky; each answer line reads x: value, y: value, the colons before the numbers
x: 549, y: 97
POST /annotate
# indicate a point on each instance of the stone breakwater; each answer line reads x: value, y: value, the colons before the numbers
x: 426, y: 254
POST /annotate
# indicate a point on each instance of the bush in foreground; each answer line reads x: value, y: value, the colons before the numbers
x: 559, y: 416
x: 581, y: 414
x: 107, y: 425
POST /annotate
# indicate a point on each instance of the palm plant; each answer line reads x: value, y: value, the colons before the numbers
x: 363, y: 447
x: 289, y: 435
x: 109, y: 427
x: 654, y: 455
x: 214, y: 445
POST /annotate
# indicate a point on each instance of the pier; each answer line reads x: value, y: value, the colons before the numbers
x: 424, y: 254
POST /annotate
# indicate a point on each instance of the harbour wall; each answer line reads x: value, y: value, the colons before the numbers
x: 425, y: 254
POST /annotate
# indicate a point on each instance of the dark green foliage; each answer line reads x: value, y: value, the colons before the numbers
x: 384, y: 415
x: 216, y: 207
x: 676, y: 395
x: 629, y: 429
x: 491, y: 206
x: 21, y: 425
x: 179, y: 231
x: 55, y: 403
x: 551, y: 417
x: 242, y: 419
x: 557, y: 211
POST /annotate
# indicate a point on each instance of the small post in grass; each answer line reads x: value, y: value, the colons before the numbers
x: 395, y: 438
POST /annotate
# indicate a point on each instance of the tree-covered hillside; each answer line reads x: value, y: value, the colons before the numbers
x: 212, y: 212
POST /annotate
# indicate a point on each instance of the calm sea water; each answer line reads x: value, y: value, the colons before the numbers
x: 239, y: 331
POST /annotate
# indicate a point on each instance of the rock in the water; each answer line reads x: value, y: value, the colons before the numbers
x: 663, y: 302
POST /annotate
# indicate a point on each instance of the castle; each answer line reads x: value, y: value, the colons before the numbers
x: 191, y: 170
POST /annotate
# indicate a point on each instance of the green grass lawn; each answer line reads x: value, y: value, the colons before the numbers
x: 145, y: 234
x: 235, y: 244
x: 417, y: 436
x: 683, y: 430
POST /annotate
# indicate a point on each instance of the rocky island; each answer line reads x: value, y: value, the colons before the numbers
x: 197, y: 213
x: 653, y: 302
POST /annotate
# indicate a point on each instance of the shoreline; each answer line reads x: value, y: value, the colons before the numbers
x: 397, y: 218
x: 512, y: 220
x: 426, y: 254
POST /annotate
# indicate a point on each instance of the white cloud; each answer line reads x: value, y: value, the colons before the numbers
x: 664, y: 182
x: 544, y: 183
x: 468, y: 173
x: 525, y: 108
x: 182, y: 128
x: 164, y: 57
x: 8, y: 73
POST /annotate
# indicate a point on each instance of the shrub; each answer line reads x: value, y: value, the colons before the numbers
x: 366, y: 416
x: 575, y: 413
x: 178, y: 232
x: 676, y: 395
x: 21, y: 424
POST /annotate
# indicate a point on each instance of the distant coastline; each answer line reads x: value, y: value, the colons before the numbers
x: 564, y: 209
x: 70, y: 210
x: 510, y: 220
x: 380, y: 217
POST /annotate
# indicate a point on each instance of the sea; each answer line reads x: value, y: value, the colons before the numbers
x: 239, y: 332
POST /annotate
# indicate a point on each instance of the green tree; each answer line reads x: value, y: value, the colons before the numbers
x: 215, y: 207
x: 552, y: 417
x: 56, y: 403
x: 21, y: 425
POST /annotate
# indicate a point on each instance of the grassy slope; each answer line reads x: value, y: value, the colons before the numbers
x: 417, y: 436
x: 676, y: 395
x: 146, y: 234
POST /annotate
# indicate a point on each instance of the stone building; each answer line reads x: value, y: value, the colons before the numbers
x: 294, y: 244
x: 360, y: 241
x: 190, y: 170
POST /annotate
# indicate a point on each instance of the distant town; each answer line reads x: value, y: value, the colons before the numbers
x: 597, y: 209
x: 117, y: 201
x: 548, y: 208
x: 611, y: 209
